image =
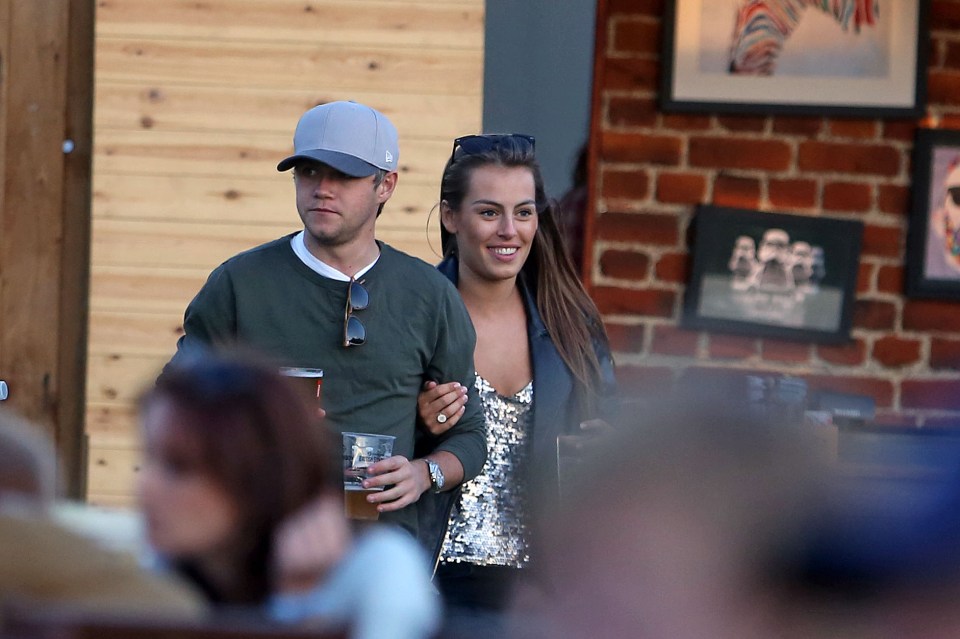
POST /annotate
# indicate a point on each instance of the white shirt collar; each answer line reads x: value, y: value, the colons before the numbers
x: 299, y: 246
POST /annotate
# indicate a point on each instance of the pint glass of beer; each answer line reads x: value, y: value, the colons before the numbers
x: 360, y: 451
x: 310, y: 380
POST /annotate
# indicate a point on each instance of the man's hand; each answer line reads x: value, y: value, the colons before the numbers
x: 405, y: 480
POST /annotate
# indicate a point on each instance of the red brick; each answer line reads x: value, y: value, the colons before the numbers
x: 951, y: 55
x: 890, y: 279
x: 644, y: 381
x: 638, y: 112
x: 858, y: 159
x: 900, y: 130
x: 930, y: 394
x: 673, y: 267
x: 626, y: 338
x: 860, y: 129
x: 649, y: 302
x: 637, y: 36
x: 893, y: 199
x: 635, y: 147
x: 742, y: 123
x: 625, y: 184
x: 732, y: 347
x: 630, y: 74
x: 847, y: 196
x: 944, y: 354
x: 864, y: 277
x: 895, y: 352
x: 669, y: 340
x: 882, y: 241
x: 739, y: 153
x: 685, y: 121
x: 645, y: 228
x: 881, y: 390
x: 928, y: 315
x: 633, y: 7
x: 794, y: 194
x: 681, y: 188
x: 874, y: 315
x: 853, y: 353
x: 943, y: 87
x: 807, y: 127
x: 736, y: 192
x: 786, y: 352
x: 626, y: 265
x: 945, y: 15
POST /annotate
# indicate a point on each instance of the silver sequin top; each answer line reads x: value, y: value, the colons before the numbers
x: 488, y: 526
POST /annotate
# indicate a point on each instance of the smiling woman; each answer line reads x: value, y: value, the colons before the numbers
x: 543, y: 366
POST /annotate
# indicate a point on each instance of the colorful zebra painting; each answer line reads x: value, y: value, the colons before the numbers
x: 763, y: 26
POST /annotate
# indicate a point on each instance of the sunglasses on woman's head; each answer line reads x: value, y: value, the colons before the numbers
x: 357, y: 299
x: 476, y: 144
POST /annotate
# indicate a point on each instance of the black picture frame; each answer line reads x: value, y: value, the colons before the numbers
x: 932, y: 261
x: 757, y: 273
x: 884, y: 76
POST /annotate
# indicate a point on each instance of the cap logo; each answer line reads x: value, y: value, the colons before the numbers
x: 389, y: 158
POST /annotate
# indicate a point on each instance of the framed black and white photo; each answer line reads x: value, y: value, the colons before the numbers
x: 933, y: 242
x: 772, y: 274
x: 809, y: 57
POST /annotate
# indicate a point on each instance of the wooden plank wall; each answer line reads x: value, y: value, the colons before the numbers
x: 195, y: 104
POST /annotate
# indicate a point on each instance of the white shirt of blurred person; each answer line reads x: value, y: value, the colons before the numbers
x: 235, y: 464
x: 46, y: 565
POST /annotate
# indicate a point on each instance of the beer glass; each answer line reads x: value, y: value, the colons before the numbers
x: 309, y: 379
x: 360, y: 451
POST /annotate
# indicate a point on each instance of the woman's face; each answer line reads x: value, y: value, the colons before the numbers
x: 496, y: 223
x: 187, y: 513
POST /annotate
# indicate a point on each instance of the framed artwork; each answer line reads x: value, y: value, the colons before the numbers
x: 933, y: 240
x: 807, y: 57
x: 772, y: 274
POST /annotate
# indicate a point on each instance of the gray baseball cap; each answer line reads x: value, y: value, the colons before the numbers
x: 350, y: 137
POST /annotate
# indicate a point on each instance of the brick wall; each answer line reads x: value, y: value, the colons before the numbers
x: 650, y: 168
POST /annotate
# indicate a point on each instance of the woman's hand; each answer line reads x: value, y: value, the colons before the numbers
x: 441, y: 405
x: 309, y: 543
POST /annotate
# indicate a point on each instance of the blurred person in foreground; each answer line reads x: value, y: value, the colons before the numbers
x: 235, y: 463
x: 544, y: 369
x: 48, y: 567
x: 703, y: 522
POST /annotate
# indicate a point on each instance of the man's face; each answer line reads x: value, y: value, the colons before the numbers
x: 774, y: 246
x: 337, y: 209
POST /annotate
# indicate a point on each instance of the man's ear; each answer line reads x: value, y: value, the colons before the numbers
x: 447, y: 217
x: 386, y: 186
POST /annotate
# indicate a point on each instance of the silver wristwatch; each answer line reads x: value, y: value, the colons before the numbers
x: 436, y: 475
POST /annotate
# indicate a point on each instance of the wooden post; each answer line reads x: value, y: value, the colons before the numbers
x: 46, y: 62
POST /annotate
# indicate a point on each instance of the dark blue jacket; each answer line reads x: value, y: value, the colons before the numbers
x: 557, y: 400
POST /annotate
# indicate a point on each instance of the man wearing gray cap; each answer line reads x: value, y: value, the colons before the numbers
x: 377, y: 321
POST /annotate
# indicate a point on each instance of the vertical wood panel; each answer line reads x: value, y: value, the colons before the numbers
x: 35, y: 251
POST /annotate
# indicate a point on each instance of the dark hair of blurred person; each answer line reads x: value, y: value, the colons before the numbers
x: 231, y: 451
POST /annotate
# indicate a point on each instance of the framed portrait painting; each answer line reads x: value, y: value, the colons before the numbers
x: 772, y: 274
x: 860, y: 58
x: 933, y: 240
